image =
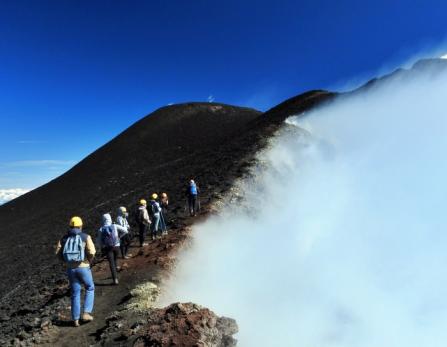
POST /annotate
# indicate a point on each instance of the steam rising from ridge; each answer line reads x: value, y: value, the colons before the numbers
x: 341, y: 238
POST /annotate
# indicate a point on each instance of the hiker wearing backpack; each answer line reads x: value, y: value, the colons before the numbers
x: 77, y: 250
x: 192, y: 193
x: 109, y: 241
x: 155, y: 210
x: 143, y: 221
x: 125, y: 238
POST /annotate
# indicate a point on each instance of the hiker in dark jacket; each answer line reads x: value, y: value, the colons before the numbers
x: 143, y: 221
x: 121, y: 220
x: 109, y: 242
x: 192, y: 192
x: 78, y: 258
x: 164, y: 203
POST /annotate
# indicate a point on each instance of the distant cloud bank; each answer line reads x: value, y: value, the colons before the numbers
x: 10, y: 194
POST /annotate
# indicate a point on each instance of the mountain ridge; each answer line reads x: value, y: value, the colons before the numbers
x: 214, y: 143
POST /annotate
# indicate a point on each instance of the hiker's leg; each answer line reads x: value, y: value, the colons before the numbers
x: 111, y: 259
x: 141, y: 233
x: 115, y: 255
x: 194, y: 206
x: 162, y: 223
x: 123, y: 246
x: 152, y: 229
x: 156, y: 223
x: 86, y: 276
x: 75, y: 286
x: 191, y: 204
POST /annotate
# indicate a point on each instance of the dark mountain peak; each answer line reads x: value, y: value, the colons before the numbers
x: 297, y: 104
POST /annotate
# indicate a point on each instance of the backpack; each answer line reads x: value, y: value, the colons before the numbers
x: 193, y: 189
x: 74, y: 249
x: 108, y: 236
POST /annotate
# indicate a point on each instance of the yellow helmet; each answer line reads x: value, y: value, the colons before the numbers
x: 154, y: 196
x: 76, y: 222
x: 143, y: 202
x: 123, y: 209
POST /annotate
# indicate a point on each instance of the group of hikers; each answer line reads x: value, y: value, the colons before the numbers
x: 78, y: 250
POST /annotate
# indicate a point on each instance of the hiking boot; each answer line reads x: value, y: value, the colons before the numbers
x: 87, y: 317
x: 144, y: 244
x: 115, y: 281
x: 76, y: 323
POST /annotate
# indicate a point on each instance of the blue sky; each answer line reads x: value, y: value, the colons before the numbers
x: 73, y: 74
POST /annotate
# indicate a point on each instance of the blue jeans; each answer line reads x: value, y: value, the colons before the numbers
x: 162, y: 222
x: 77, y: 277
x: 155, y: 224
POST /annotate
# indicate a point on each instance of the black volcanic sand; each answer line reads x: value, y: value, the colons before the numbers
x: 213, y: 143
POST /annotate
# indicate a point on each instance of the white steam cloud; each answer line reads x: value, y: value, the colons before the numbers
x: 341, y: 239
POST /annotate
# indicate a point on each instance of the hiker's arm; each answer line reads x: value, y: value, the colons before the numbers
x: 58, y: 251
x: 90, y: 249
x: 121, y: 230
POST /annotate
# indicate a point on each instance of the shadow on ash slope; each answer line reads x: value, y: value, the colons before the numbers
x: 344, y: 241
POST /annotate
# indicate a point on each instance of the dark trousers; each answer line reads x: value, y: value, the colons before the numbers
x: 124, y: 244
x: 112, y: 255
x: 142, y: 233
x: 192, y: 201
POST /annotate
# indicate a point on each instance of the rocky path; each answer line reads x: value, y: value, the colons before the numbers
x: 149, y: 263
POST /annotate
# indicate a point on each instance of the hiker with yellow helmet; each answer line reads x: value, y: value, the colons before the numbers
x: 155, y: 211
x: 143, y: 221
x: 77, y: 250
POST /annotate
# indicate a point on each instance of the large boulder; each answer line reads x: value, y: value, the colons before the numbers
x: 179, y: 324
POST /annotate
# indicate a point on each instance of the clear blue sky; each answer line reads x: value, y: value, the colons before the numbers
x: 73, y: 74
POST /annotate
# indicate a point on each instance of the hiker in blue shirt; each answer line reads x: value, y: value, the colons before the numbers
x: 192, y: 193
x: 109, y: 242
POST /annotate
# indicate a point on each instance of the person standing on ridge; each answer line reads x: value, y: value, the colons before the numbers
x: 192, y: 193
x: 164, y: 203
x: 77, y: 250
x: 155, y: 214
x: 143, y: 221
x: 121, y: 220
x: 109, y: 241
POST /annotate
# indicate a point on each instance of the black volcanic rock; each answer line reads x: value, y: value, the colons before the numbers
x: 179, y: 324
